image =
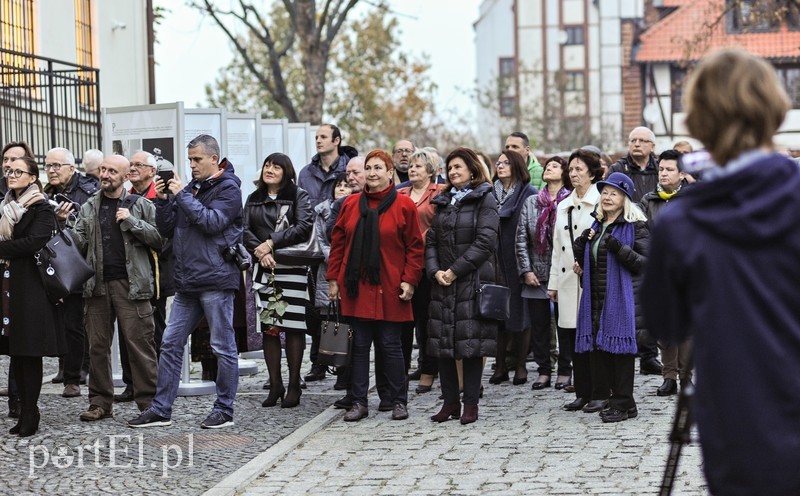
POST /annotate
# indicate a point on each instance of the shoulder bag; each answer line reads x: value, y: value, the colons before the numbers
x: 61, y: 266
x: 335, y: 340
x: 308, y: 252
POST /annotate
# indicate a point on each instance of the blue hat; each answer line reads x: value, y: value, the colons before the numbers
x: 619, y: 181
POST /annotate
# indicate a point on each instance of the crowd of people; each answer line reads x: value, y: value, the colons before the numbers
x: 407, y: 239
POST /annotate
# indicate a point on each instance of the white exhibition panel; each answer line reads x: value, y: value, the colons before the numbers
x: 153, y: 128
x: 312, y: 142
x: 298, y: 145
x: 203, y: 121
x: 273, y: 136
x: 244, y: 151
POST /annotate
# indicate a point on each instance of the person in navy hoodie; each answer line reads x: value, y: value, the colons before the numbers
x: 723, y: 268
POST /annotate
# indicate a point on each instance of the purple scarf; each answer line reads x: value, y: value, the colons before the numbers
x: 617, y: 333
x: 547, y: 218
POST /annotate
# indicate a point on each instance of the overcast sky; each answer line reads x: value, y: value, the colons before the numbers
x: 191, y: 49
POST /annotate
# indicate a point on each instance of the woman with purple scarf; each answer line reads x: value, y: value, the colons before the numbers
x: 534, y: 250
x: 608, y: 256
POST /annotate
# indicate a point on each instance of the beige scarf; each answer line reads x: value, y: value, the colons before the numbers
x: 11, y: 210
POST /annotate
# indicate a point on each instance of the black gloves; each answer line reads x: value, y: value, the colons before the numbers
x: 612, y: 244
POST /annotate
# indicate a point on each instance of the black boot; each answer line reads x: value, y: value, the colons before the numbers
x: 667, y: 388
x: 15, y: 429
x: 29, y: 422
x: 14, y: 407
x: 59, y: 378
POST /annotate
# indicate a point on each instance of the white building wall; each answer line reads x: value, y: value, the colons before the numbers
x: 494, y: 39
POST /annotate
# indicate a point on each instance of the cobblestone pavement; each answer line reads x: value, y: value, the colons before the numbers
x: 144, y: 461
x: 523, y: 443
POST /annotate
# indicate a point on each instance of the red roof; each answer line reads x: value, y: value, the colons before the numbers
x: 695, y: 28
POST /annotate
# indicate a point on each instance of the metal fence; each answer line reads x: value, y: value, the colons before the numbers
x: 49, y: 103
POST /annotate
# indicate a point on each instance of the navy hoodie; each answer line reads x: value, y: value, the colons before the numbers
x: 724, y: 267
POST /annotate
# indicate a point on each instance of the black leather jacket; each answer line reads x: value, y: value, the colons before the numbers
x: 261, y: 216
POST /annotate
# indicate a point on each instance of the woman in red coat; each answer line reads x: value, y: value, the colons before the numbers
x: 376, y: 259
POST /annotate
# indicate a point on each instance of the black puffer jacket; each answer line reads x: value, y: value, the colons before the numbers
x: 261, y: 215
x: 79, y: 189
x: 644, y: 180
x: 456, y: 241
x: 632, y: 258
x: 651, y: 204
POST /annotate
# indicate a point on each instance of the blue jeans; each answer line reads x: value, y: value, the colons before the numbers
x: 386, y: 336
x: 187, y: 310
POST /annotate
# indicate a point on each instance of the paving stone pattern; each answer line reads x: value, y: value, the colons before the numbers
x: 25, y: 469
x: 523, y: 443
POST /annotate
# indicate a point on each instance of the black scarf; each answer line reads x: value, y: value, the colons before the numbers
x: 364, y: 262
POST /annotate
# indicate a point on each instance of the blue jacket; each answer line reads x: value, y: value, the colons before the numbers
x: 203, y: 219
x: 723, y: 268
x: 316, y: 182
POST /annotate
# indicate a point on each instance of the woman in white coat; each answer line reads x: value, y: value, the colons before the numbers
x: 572, y: 218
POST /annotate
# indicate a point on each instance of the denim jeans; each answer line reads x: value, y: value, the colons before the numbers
x: 386, y: 336
x: 187, y: 310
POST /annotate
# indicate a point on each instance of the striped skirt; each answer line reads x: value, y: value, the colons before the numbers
x: 293, y: 284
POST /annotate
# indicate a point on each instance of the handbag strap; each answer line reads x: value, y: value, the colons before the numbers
x: 569, y: 228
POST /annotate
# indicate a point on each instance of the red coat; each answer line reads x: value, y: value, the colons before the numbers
x: 401, y: 258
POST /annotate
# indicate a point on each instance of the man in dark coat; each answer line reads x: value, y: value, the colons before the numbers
x: 70, y: 189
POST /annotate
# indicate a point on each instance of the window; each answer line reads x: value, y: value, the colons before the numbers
x: 790, y: 77
x: 761, y: 15
x: 573, y: 81
x: 16, y: 34
x: 507, y: 67
x: 83, y: 47
x: 678, y: 76
x: 574, y: 35
x: 508, y: 106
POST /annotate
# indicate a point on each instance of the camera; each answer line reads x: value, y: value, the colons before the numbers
x: 237, y: 254
x: 61, y: 198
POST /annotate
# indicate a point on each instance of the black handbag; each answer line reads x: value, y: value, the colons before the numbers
x: 308, y: 252
x: 61, y: 266
x: 335, y: 340
x: 492, y: 301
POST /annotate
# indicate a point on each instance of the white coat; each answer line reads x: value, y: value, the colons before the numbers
x: 562, y: 277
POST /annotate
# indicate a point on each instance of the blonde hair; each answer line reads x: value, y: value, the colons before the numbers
x: 630, y: 212
x: 734, y: 103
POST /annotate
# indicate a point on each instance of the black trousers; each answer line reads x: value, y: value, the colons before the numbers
x: 581, y: 368
x: 646, y: 344
x: 75, y: 336
x: 540, y: 334
x: 615, y: 374
x: 448, y: 376
x: 422, y: 298
x: 566, y: 348
x: 313, y: 320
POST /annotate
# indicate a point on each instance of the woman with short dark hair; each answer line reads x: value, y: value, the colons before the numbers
x: 276, y: 215
x: 459, y: 252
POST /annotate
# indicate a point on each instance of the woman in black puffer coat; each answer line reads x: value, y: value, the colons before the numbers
x: 459, y: 248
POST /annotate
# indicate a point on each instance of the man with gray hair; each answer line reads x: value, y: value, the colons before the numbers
x: 70, y: 189
x: 640, y: 164
x: 92, y: 159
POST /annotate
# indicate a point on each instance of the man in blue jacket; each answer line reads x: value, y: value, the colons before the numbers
x: 204, y: 219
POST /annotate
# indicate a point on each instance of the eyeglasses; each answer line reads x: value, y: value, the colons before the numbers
x: 502, y: 163
x: 55, y: 166
x: 16, y: 173
x: 140, y: 165
x: 403, y: 151
x: 634, y: 141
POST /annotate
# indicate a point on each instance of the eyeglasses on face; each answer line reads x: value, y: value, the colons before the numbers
x: 633, y: 141
x: 403, y: 151
x: 140, y: 165
x: 502, y: 163
x: 16, y: 173
x: 55, y: 166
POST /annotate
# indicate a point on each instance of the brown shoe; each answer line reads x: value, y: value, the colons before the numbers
x: 96, y: 412
x: 71, y: 391
x: 356, y: 413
